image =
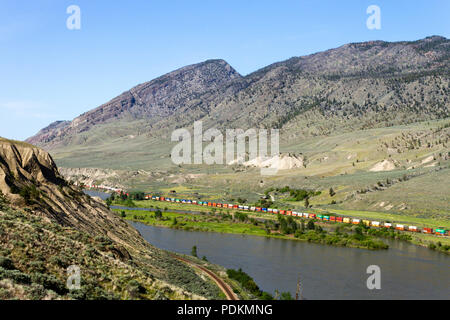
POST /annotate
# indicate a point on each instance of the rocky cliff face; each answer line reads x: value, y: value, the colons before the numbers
x: 30, y: 183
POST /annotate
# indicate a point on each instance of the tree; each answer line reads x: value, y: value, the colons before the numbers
x: 122, y: 214
x: 332, y: 193
x: 307, y: 202
x: 310, y: 225
x: 158, y: 214
x: 194, y: 251
x: 286, y: 296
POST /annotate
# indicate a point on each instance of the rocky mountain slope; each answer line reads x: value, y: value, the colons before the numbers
x: 48, y: 224
x: 153, y: 100
x: 355, y: 86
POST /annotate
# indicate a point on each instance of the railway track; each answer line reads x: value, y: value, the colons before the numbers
x: 220, y: 283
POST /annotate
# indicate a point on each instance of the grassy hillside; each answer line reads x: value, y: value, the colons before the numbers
x: 35, y: 253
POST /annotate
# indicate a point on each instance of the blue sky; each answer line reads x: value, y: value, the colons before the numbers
x: 51, y: 73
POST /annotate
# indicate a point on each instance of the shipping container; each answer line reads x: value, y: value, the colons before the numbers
x: 366, y: 222
x: 289, y: 213
x: 427, y: 230
x: 332, y: 218
x: 412, y: 228
x: 440, y: 231
x: 282, y: 211
x: 275, y: 210
x: 258, y: 209
x: 264, y: 209
x: 312, y: 216
x: 269, y: 210
x: 356, y: 221
x: 339, y: 219
x: 326, y: 218
x: 253, y: 209
x: 387, y: 225
x: 400, y: 227
x: 375, y: 224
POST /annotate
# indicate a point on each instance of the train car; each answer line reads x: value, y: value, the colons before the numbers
x: 326, y: 218
x: 252, y: 208
x: 269, y: 210
x: 427, y: 230
x: 332, y: 218
x: 289, y: 213
x: 312, y: 216
x: 347, y: 220
x: 163, y: 198
x: 235, y: 206
x: 258, y: 209
x: 275, y: 211
x: 399, y: 227
x: 387, y: 225
x: 440, y: 232
x: 339, y: 219
x: 319, y: 217
x: 366, y: 222
x: 376, y: 224
x: 412, y: 228
x: 305, y: 215
x: 264, y: 209
x: 230, y: 206
x: 283, y: 212
x: 209, y: 204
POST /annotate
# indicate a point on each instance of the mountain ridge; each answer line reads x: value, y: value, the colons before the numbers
x: 355, y: 86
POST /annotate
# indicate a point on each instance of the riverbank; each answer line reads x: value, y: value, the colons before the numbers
x: 241, y: 223
x: 433, y: 242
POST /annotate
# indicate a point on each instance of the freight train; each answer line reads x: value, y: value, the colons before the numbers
x: 328, y: 218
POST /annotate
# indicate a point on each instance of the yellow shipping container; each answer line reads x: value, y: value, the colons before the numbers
x: 366, y: 222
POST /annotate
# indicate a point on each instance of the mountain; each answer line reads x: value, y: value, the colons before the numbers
x: 357, y: 86
x: 46, y: 225
x: 154, y: 100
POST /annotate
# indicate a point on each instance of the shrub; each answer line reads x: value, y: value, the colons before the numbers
x: 6, y: 263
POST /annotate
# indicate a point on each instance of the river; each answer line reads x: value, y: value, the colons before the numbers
x: 326, y: 272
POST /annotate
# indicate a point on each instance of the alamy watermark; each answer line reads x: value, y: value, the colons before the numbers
x: 374, y: 20
x: 73, y: 22
x: 235, y: 139
x: 74, y: 278
x: 374, y: 280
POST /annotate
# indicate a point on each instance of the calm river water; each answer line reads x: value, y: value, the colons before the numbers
x: 326, y: 272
